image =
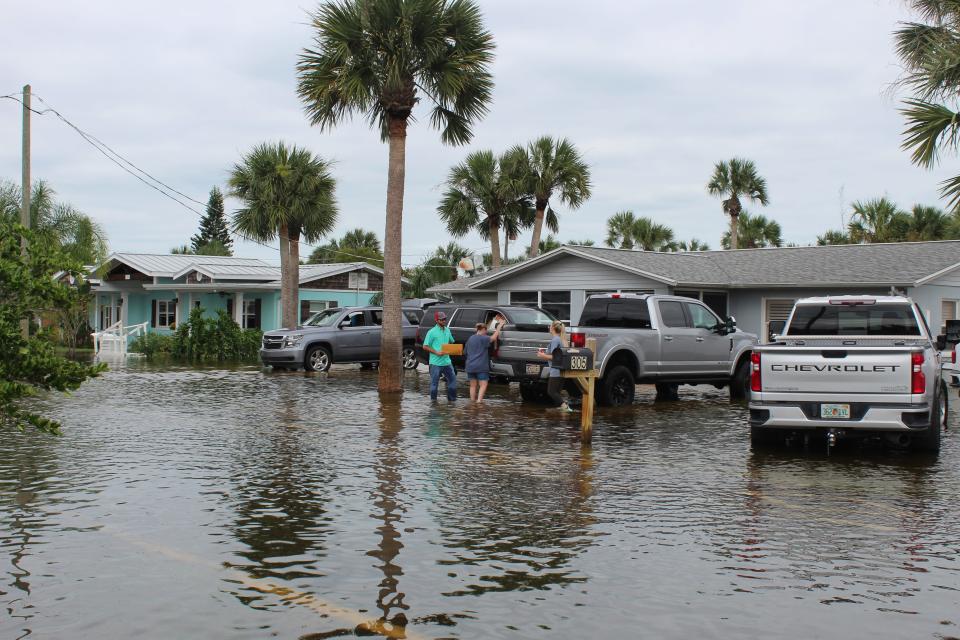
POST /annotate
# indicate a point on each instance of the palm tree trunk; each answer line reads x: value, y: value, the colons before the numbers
x: 506, y: 246
x: 291, y: 305
x: 538, y: 228
x: 391, y: 336
x: 284, y: 275
x: 494, y: 243
x: 734, y: 223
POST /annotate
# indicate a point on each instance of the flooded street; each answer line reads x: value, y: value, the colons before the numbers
x: 184, y: 503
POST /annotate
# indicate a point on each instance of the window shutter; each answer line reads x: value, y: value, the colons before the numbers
x: 256, y: 313
x: 173, y: 310
x: 230, y: 307
x: 153, y: 313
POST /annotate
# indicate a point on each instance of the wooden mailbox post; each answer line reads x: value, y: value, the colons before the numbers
x: 586, y: 381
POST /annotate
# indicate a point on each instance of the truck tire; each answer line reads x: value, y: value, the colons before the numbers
x: 317, y: 359
x: 667, y: 391
x: 617, y: 387
x: 534, y: 392
x: 740, y: 383
x: 929, y: 441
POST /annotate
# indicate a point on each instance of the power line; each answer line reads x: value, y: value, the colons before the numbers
x: 163, y: 188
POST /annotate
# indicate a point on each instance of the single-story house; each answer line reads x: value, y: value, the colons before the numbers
x: 756, y: 286
x: 161, y: 289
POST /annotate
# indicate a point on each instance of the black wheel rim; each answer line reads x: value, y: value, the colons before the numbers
x: 620, y: 391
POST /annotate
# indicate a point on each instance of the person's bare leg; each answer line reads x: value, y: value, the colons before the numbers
x: 483, y: 390
x: 473, y: 391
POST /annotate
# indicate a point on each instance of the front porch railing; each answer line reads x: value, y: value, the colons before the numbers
x: 115, y: 338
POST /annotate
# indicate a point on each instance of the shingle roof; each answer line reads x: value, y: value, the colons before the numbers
x: 904, y: 263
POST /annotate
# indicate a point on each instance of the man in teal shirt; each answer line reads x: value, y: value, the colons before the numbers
x: 440, y: 363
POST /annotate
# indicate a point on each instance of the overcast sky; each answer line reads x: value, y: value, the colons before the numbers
x: 652, y: 93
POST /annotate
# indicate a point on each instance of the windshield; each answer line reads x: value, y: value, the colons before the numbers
x: 853, y: 320
x: 323, y: 319
x: 531, y: 317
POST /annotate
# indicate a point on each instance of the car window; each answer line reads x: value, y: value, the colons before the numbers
x: 324, y: 318
x: 413, y: 315
x: 623, y: 313
x: 847, y: 319
x: 354, y: 319
x: 467, y: 318
x: 377, y: 316
x: 700, y: 316
x: 519, y: 315
x: 672, y: 313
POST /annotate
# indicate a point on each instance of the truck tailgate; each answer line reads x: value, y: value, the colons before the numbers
x: 835, y: 370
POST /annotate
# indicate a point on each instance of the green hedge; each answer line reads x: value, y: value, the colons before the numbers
x: 203, y: 339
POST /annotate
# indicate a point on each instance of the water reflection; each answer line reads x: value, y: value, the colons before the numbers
x: 513, y: 509
x: 280, y: 501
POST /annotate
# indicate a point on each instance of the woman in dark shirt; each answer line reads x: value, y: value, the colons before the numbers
x: 477, y: 351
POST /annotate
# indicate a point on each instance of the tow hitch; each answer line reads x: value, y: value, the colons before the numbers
x: 831, y: 439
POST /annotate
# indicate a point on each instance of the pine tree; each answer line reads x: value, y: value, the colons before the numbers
x: 213, y: 225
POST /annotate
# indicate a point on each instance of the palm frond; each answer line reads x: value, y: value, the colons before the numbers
x: 929, y: 127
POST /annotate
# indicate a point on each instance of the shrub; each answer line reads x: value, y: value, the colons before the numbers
x: 152, y: 345
x: 218, y: 338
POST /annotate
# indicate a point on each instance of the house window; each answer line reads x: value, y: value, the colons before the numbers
x: 251, y: 319
x: 357, y: 280
x: 556, y: 302
x: 775, y: 314
x: 166, y: 314
x: 716, y: 300
x: 310, y: 307
x: 948, y: 310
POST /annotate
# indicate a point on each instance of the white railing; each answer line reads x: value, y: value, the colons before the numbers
x: 115, y: 338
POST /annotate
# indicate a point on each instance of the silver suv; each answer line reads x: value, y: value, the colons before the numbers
x: 349, y: 334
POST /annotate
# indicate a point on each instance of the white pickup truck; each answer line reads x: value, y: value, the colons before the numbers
x: 850, y: 367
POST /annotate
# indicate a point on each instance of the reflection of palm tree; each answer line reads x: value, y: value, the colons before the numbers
x: 389, y: 510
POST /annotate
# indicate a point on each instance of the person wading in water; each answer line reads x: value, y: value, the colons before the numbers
x: 555, y: 382
x: 477, y: 350
x: 440, y: 363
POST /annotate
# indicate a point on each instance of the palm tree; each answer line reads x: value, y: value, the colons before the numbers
x: 375, y: 57
x: 652, y: 236
x: 833, y: 236
x: 357, y: 244
x: 482, y: 193
x: 733, y: 180
x: 878, y: 220
x: 927, y: 223
x: 929, y: 53
x: 80, y: 237
x: 286, y: 192
x: 552, y: 166
x: 442, y: 265
x: 755, y: 232
x: 692, y: 245
x: 620, y: 228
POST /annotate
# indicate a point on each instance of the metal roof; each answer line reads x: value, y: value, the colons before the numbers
x: 165, y: 265
x: 902, y: 264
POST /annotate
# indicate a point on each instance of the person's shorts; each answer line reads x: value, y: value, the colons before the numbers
x: 482, y: 377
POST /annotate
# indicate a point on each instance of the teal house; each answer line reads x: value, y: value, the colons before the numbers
x: 157, y: 291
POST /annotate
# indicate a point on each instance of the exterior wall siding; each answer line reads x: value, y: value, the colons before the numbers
x: 571, y: 272
x: 929, y: 298
x: 951, y: 279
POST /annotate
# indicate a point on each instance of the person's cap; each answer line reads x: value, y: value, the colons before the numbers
x: 439, y: 315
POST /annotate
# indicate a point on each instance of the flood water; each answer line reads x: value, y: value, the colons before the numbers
x: 214, y: 503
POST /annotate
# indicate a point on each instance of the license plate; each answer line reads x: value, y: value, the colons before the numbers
x: 838, y: 411
x: 533, y: 370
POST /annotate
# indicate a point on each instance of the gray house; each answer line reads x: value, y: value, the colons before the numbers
x: 757, y: 286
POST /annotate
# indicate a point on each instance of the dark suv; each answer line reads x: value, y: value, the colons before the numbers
x: 514, y: 356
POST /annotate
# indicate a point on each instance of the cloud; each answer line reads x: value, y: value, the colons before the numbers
x: 652, y: 93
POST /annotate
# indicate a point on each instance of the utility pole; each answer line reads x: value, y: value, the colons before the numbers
x: 25, y: 190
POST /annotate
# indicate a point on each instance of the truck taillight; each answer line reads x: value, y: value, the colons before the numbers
x: 578, y: 340
x: 918, y: 381
x: 755, y: 372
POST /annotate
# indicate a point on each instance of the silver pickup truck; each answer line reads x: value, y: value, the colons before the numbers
x: 847, y: 367
x: 664, y: 340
